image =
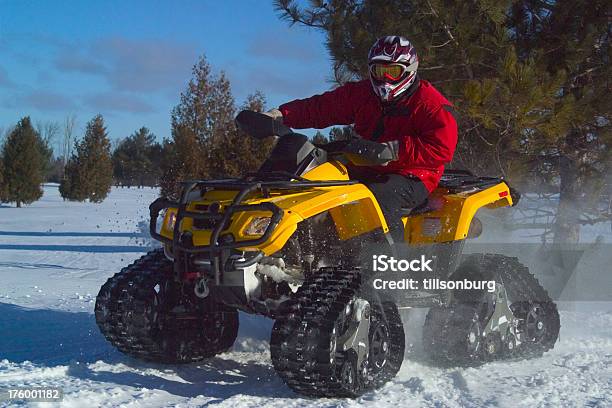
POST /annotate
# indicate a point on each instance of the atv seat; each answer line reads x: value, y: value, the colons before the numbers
x: 453, y: 182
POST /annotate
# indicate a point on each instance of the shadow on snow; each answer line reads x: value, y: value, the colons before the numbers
x: 76, y: 248
x: 72, y: 234
x: 28, y: 265
x: 52, y: 337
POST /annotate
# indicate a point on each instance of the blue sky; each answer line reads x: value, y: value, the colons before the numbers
x: 129, y: 60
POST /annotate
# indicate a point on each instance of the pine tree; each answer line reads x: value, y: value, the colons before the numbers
x: 89, y: 172
x: 70, y: 187
x: 573, y: 39
x: 222, y: 147
x: 23, y: 164
x: 206, y: 106
x: 236, y: 153
x: 135, y: 161
x: 205, y: 141
x: 3, y: 134
x: 181, y: 160
x: 186, y: 156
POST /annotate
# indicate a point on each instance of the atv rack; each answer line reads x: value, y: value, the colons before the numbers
x: 461, y: 181
x: 221, y: 221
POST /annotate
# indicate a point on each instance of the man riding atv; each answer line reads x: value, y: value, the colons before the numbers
x: 408, y: 132
x: 280, y: 243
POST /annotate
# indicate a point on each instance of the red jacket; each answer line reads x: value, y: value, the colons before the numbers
x: 425, y: 128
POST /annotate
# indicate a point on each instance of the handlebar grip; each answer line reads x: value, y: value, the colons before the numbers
x: 260, y: 125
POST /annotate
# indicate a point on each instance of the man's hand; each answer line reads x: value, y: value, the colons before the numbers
x: 262, y: 124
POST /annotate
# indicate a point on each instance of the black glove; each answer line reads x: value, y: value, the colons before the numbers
x: 261, y: 125
x: 362, y: 152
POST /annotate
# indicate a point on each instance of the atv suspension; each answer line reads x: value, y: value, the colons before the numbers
x: 473, y: 331
x: 330, y: 342
x: 139, y: 311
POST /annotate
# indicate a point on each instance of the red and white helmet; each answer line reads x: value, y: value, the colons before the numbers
x: 393, y: 64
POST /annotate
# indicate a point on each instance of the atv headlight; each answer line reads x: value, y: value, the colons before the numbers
x: 257, y: 226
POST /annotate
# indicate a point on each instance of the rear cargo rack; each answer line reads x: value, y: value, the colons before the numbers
x: 461, y: 181
x: 458, y: 181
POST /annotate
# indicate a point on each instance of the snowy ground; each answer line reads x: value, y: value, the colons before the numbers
x: 55, y: 255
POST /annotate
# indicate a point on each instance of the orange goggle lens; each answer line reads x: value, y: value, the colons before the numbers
x: 389, y: 72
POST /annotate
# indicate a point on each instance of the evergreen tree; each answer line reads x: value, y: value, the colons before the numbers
x: 236, y: 153
x: 222, y: 147
x: 135, y: 160
x: 573, y: 38
x: 89, y: 172
x: 70, y: 187
x: 206, y: 106
x: 23, y: 164
x: 181, y: 160
x: 205, y: 141
x: 195, y: 123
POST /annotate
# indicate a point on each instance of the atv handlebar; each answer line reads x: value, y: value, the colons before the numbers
x: 333, y: 147
x: 259, y: 125
x: 361, y: 152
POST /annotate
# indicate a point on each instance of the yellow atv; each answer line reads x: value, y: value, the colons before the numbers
x: 303, y: 244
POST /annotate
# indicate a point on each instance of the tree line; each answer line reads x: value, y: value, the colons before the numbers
x: 204, y: 143
x: 27, y: 160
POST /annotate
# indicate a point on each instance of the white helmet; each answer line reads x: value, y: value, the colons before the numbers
x: 393, y: 64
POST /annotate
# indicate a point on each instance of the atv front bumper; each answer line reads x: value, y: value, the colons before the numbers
x: 222, y: 246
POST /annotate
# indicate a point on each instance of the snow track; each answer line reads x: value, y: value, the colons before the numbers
x: 54, y: 256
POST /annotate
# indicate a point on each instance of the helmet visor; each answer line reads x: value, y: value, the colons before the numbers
x: 387, y: 72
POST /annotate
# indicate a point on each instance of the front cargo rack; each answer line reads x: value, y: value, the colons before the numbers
x: 220, y: 221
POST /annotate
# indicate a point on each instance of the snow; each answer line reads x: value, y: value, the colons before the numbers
x: 55, y: 255
x: 275, y: 269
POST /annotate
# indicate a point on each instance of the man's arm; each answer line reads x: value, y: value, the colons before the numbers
x: 335, y: 107
x: 436, y: 144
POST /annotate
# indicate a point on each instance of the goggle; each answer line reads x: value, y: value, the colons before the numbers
x: 390, y: 72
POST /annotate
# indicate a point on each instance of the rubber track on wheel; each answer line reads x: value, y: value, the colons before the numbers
x: 444, y: 325
x: 124, y: 316
x: 300, y: 339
